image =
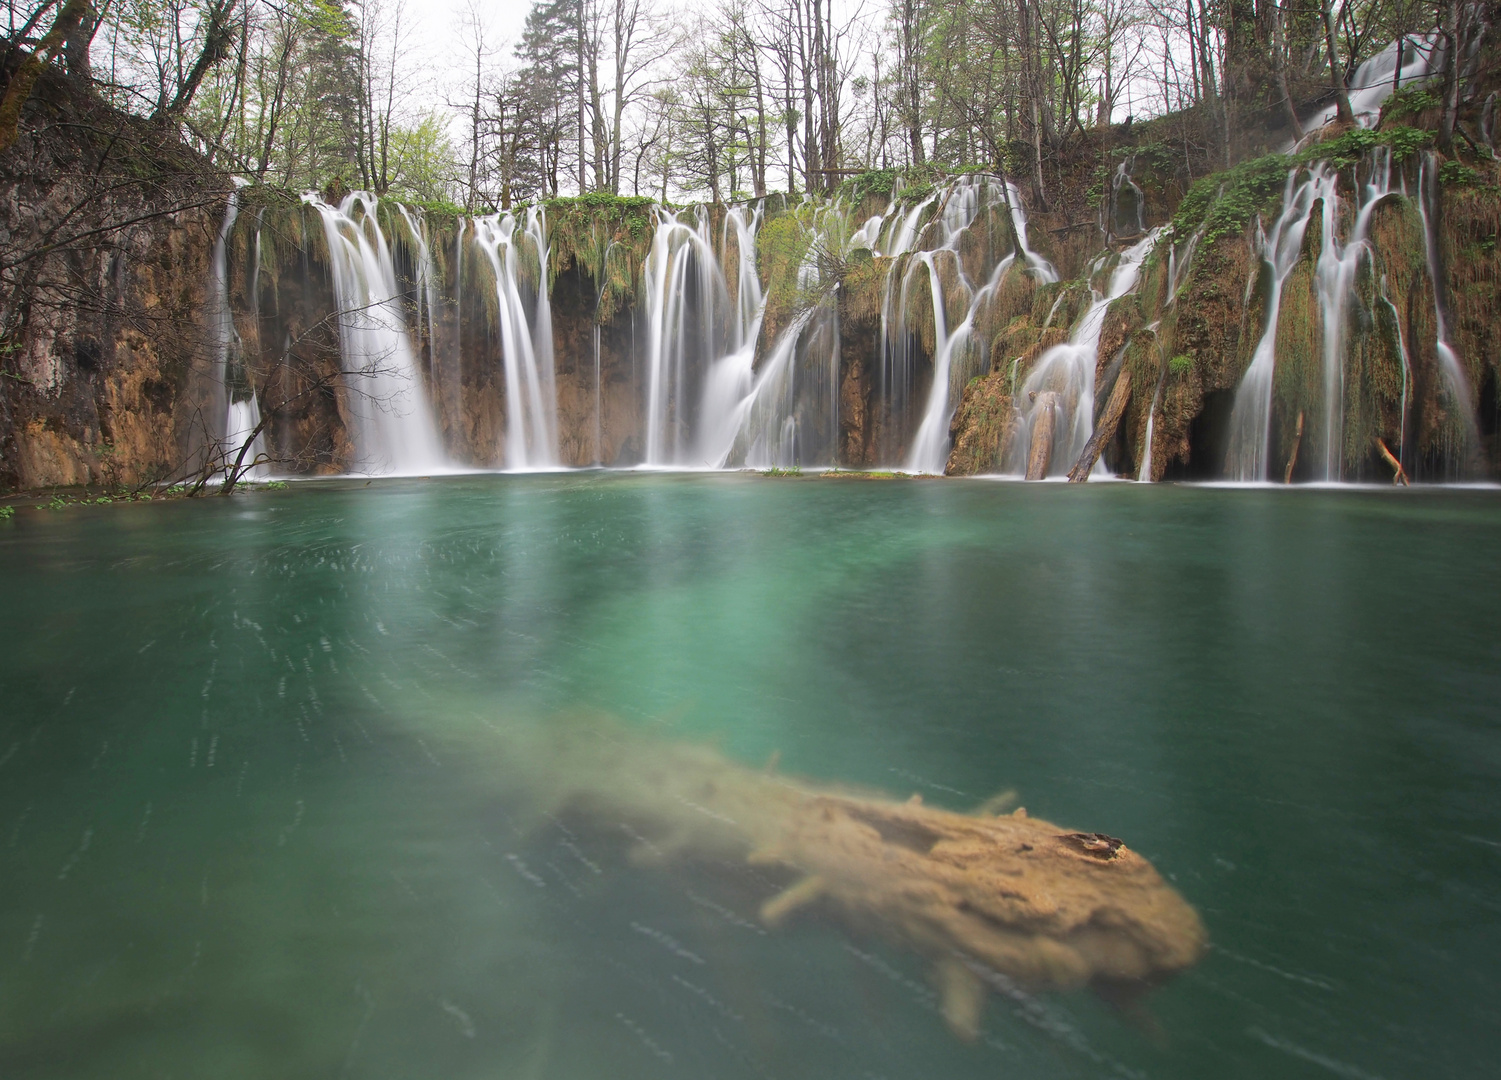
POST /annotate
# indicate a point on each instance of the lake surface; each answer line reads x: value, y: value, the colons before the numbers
x: 258, y: 770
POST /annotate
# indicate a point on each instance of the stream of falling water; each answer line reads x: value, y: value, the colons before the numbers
x: 930, y: 445
x: 1059, y: 391
x: 391, y: 421
x: 1335, y: 271
x: 531, y: 432
x: 1250, y: 418
x: 1464, y: 431
x: 242, y: 413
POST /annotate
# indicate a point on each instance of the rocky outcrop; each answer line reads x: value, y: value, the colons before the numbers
x: 107, y: 229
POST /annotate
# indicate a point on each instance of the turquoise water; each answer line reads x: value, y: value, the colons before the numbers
x: 258, y: 812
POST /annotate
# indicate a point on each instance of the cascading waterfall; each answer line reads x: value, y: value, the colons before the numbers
x: 687, y: 300
x: 1177, y: 271
x: 731, y: 387
x: 392, y: 424
x: 791, y: 415
x: 1336, y: 269
x: 1407, y: 61
x: 1334, y: 273
x: 531, y: 435
x: 1251, y: 417
x: 929, y: 450
x: 1456, y: 385
x: 242, y: 414
x: 1059, y: 391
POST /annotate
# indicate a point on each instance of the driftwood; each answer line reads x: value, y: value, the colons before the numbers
x: 1399, y: 474
x: 988, y: 900
x: 1105, y: 430
x: 1040, y: 451
x: 1292, y: 459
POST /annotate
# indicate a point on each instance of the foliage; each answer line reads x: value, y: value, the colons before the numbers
x: 7, y: 512
x: 775, y: 471
x: 1181, y: 364
x: 873, y: 182
x: 1456, y: 174
x: 1224, y: 203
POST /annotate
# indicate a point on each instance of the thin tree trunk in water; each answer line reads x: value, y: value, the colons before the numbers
x: 1104, y: 432
x: 1399, y: 474
x: 1292, y: 459
x: 1040, y: 452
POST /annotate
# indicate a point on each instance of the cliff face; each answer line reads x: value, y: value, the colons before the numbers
x: 107, y: 230
x: 119, y: 370
x: 1186, y: 336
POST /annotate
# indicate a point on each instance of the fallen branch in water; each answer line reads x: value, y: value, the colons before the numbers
x: 1399, y: 474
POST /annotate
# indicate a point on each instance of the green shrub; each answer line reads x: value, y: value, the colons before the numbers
x: 1181, y: 364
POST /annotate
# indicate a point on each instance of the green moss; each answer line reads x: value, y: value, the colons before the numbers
x: 1454, y: 174
x: 1225, y: 202
x: 1181, y: 364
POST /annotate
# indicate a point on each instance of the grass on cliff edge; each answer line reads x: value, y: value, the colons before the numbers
x: 1224, y: 203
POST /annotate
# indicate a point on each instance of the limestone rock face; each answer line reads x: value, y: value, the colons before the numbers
x: 107, y: 230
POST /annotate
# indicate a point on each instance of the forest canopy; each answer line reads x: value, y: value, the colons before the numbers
x: 730, y: 100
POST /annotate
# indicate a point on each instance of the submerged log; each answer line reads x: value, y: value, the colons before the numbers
x: 1399, y: 474
x: 1104, y: 431
x: 1040, y: 452
x: 987, y: 900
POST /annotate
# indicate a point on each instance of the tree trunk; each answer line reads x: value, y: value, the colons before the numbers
x: 1040, y: 452
x: 29, y: 70
x: 1104, y: 431
x: 1336, y: 71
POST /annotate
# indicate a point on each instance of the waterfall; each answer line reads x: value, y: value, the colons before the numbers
x: 686, y: 301
x: 1059, y: 391
x: 389, y: 417
x: 1250, y: 419
x: 1456, y: 385
x: 531, y: 435
x: 1334, y: 274
x: 234, y: 393
x: 1177, y: 271
x: 1336, y: 269
x: 731, y: 387
x: 960, y: 207
x: 1408, y: 60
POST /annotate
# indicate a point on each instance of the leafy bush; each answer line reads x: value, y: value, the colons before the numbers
x: 1454, y: 174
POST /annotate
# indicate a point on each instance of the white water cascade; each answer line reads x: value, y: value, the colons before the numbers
x: 790, y: 417
x: 391, y: 421
x: 1062, y: 381
x: 930, y: 445
x: 1405, y: 62
x: 687, y: 304
x: 1456, y: 389
x: 1335, y: 272
x: 531, y: 435
x: 1250, y: 419
x: 1177, y: 270
x: 243, y: 416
